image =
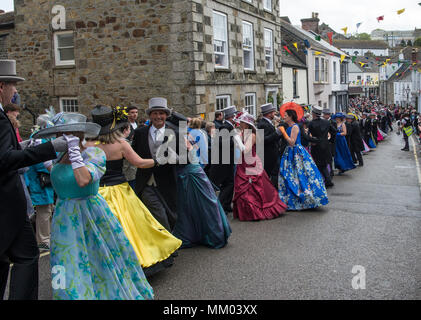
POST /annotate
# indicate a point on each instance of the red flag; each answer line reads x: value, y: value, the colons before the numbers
x: 381, y: 18
x: 286, y: 48
x: 330, y: 35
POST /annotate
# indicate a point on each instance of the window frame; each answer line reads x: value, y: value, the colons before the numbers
x: 57, y: 57
x: 220, y: 97
x: 295, y: 83
x: 61, y: 99
x: 251, y: 49
x: 226, y: 54
x: 254, y: 105
x: 267, y: 5
x: 271, y: 49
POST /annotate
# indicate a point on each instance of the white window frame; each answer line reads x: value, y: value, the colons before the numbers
x: 221, y: 41
x: 222, y: 97
x: 334, y: 73
x: 62, y: 106
x: 58, y: 61
x: 249, y: 46
x: 267, y: 5
x: 268, y: 32
x: 250, y: 107
x: 317, y: 69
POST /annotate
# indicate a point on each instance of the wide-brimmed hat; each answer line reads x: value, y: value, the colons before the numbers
x: 247, y: 118
x: 69, y: 122
x: 267, y: 108
x: 109, y: 119
x: 230, y: 111
x: 158, y: 104
x: 338, y: 115
x: 8, y: 71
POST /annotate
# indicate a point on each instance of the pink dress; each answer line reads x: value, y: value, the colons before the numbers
x: 255, y: 197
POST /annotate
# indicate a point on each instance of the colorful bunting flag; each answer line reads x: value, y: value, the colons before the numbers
x: 286, y: 48
x: 330, y: 36
x: 318, y: 38
x: 295, y: 44
x: 362, y: 64
x: 345, y: 30
x: 343, y: 58
x: 359, y: 24
x: 381, y: 18
x: 401, y: 11
x: 353, y: 59
x: 307, y: 43
x: 317, y: 53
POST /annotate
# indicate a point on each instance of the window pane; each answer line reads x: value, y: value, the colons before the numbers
x: 65, y: 40
x: 67, y: 54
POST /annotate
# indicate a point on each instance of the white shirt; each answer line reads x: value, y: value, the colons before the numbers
x: 157, y: 133
x: 1, y: 107
x: 134, y: 125
x: 270, y: 121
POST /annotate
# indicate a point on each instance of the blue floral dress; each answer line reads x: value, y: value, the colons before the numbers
x: 300, y: 184
x: 88, y: 242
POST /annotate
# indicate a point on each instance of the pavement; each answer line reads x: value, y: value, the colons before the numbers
x: 372, y: 224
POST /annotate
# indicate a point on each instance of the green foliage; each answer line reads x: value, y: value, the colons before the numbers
x: 417, y: 42
x: 364, y: 36
x: 409, y: 43
x: 403, y: 43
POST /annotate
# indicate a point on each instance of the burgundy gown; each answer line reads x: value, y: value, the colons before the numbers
x: 255, y: 198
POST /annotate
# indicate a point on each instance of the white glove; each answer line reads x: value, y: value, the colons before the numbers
x: 48, y: 164
x: 25, y: 144
x: 60, y: 144
x: 73, y: 150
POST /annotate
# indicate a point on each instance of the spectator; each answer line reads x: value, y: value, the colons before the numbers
x: 12, y: 111
x: 219, y: 120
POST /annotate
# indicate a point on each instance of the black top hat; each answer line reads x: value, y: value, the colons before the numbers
x: 109, y: 119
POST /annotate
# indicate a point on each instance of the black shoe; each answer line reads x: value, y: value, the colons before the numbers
x: 361, y: 165
x: 405, y: 149
x: 330, y: 185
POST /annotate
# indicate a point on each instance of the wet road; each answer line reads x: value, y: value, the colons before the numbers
x: 373, y: 221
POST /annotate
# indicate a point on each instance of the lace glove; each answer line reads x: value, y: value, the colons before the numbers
x: 73, y: 150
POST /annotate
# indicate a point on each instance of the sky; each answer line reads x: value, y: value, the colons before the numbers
x: 339, y: 13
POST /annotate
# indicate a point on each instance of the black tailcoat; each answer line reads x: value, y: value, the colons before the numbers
x: 321, y: 151
x: 272, y: 147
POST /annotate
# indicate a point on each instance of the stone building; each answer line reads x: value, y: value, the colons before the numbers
x: 202, y: 55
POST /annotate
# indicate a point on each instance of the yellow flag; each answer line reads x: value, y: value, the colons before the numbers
x: 317, y: 53
x: 342, y: 58
x: 295, y: 45
x: 387, y: 60
x: 401, y: 11
x: 345, y: 30
x: 362, y: 64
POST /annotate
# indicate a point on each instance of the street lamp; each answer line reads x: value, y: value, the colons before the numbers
x: 407, y: 91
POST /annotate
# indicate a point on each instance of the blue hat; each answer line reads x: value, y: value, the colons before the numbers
x: 338, y: 115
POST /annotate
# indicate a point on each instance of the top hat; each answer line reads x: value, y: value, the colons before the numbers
x: 326, y: 111
x: 267, y: 108
x: 158, y: 104
x: 8, y: 71
x: 230, y: 111
x: 109, y: 119
x: 69, y: 122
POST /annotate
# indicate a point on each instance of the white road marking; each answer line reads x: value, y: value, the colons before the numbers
x: 416, y: 160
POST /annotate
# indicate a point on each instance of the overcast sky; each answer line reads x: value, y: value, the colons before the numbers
x: 339, y: 13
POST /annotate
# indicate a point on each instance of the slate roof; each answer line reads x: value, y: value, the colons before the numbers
x: 360, y: 44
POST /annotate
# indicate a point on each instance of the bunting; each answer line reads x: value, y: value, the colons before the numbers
x: 317, y: 53
x: 330, y: 36
x: 343, y: 58
x: 401, y: 11
x: 287, y: 50
x: 345, y: 30
x: 381, y: 18
x: 295, y: 44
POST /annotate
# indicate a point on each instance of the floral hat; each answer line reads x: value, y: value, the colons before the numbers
x: 110, y: 119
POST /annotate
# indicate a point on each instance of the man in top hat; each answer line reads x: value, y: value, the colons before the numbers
x: 272, y: 142
x: 17, y: 240
x: 156, y: 187
x: 364, y: 127
x: 355, y: 140
x: 327, y: 115
x: 222, y: 175
x: 320, y: 129
x: 373, y: 127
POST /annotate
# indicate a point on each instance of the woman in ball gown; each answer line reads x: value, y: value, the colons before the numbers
x: 152, y: 243
x: 201, y: 219
x: 91, y: 257
x: 300, y: 183
x: 343, y: 158
x: 255, y: 197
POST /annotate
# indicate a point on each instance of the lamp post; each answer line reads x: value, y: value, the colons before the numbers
x: 407, y: 91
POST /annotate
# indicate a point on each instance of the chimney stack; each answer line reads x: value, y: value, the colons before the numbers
x: 311, y: 24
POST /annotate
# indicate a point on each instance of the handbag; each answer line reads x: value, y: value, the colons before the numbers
x: 44, y: 179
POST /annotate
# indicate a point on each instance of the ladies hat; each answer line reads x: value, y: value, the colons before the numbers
x: 338, y: 115
x: 247, y: 118
x: 69, y: 122
x: 109, y: 119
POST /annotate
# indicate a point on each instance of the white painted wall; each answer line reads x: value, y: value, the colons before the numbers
x: 288, y: 90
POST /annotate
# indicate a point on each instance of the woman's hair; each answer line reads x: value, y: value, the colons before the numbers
x: 293, y: 115
x: 111, y: 137
x: 15, y: 122
x: 209, y: 126
x: 195, y: 123
x: 11, y: 107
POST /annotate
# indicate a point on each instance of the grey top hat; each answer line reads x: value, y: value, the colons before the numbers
x: 267, y: 108
x: 8, y: 71
x: 158, y: 104
x: 317, y: 110
x: 230, y: 111
x: 69, y: 122
x: 327, y: 111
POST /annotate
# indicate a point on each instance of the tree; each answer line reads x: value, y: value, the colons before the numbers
x: 417, y: 42
x: 364, y: 36
x: 403, y: 43
x: 409, y: 43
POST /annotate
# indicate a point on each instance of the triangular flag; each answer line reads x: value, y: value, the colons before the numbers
x: 353, y: 59
x: 342, y: 58
x: 307, y: 43
x: 359, y: 24
x: 317, y: 53
x: 401, y: 11
x: 330, y: 36
x: 305, y: 51
x: 318, y: 38
x: 381, y: 18
x: 295, y: 44
x: 286, y: 48
x: 362, y: 64
x: 345, y: 30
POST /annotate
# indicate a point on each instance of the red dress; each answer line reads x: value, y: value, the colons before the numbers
x: 255, y: 197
